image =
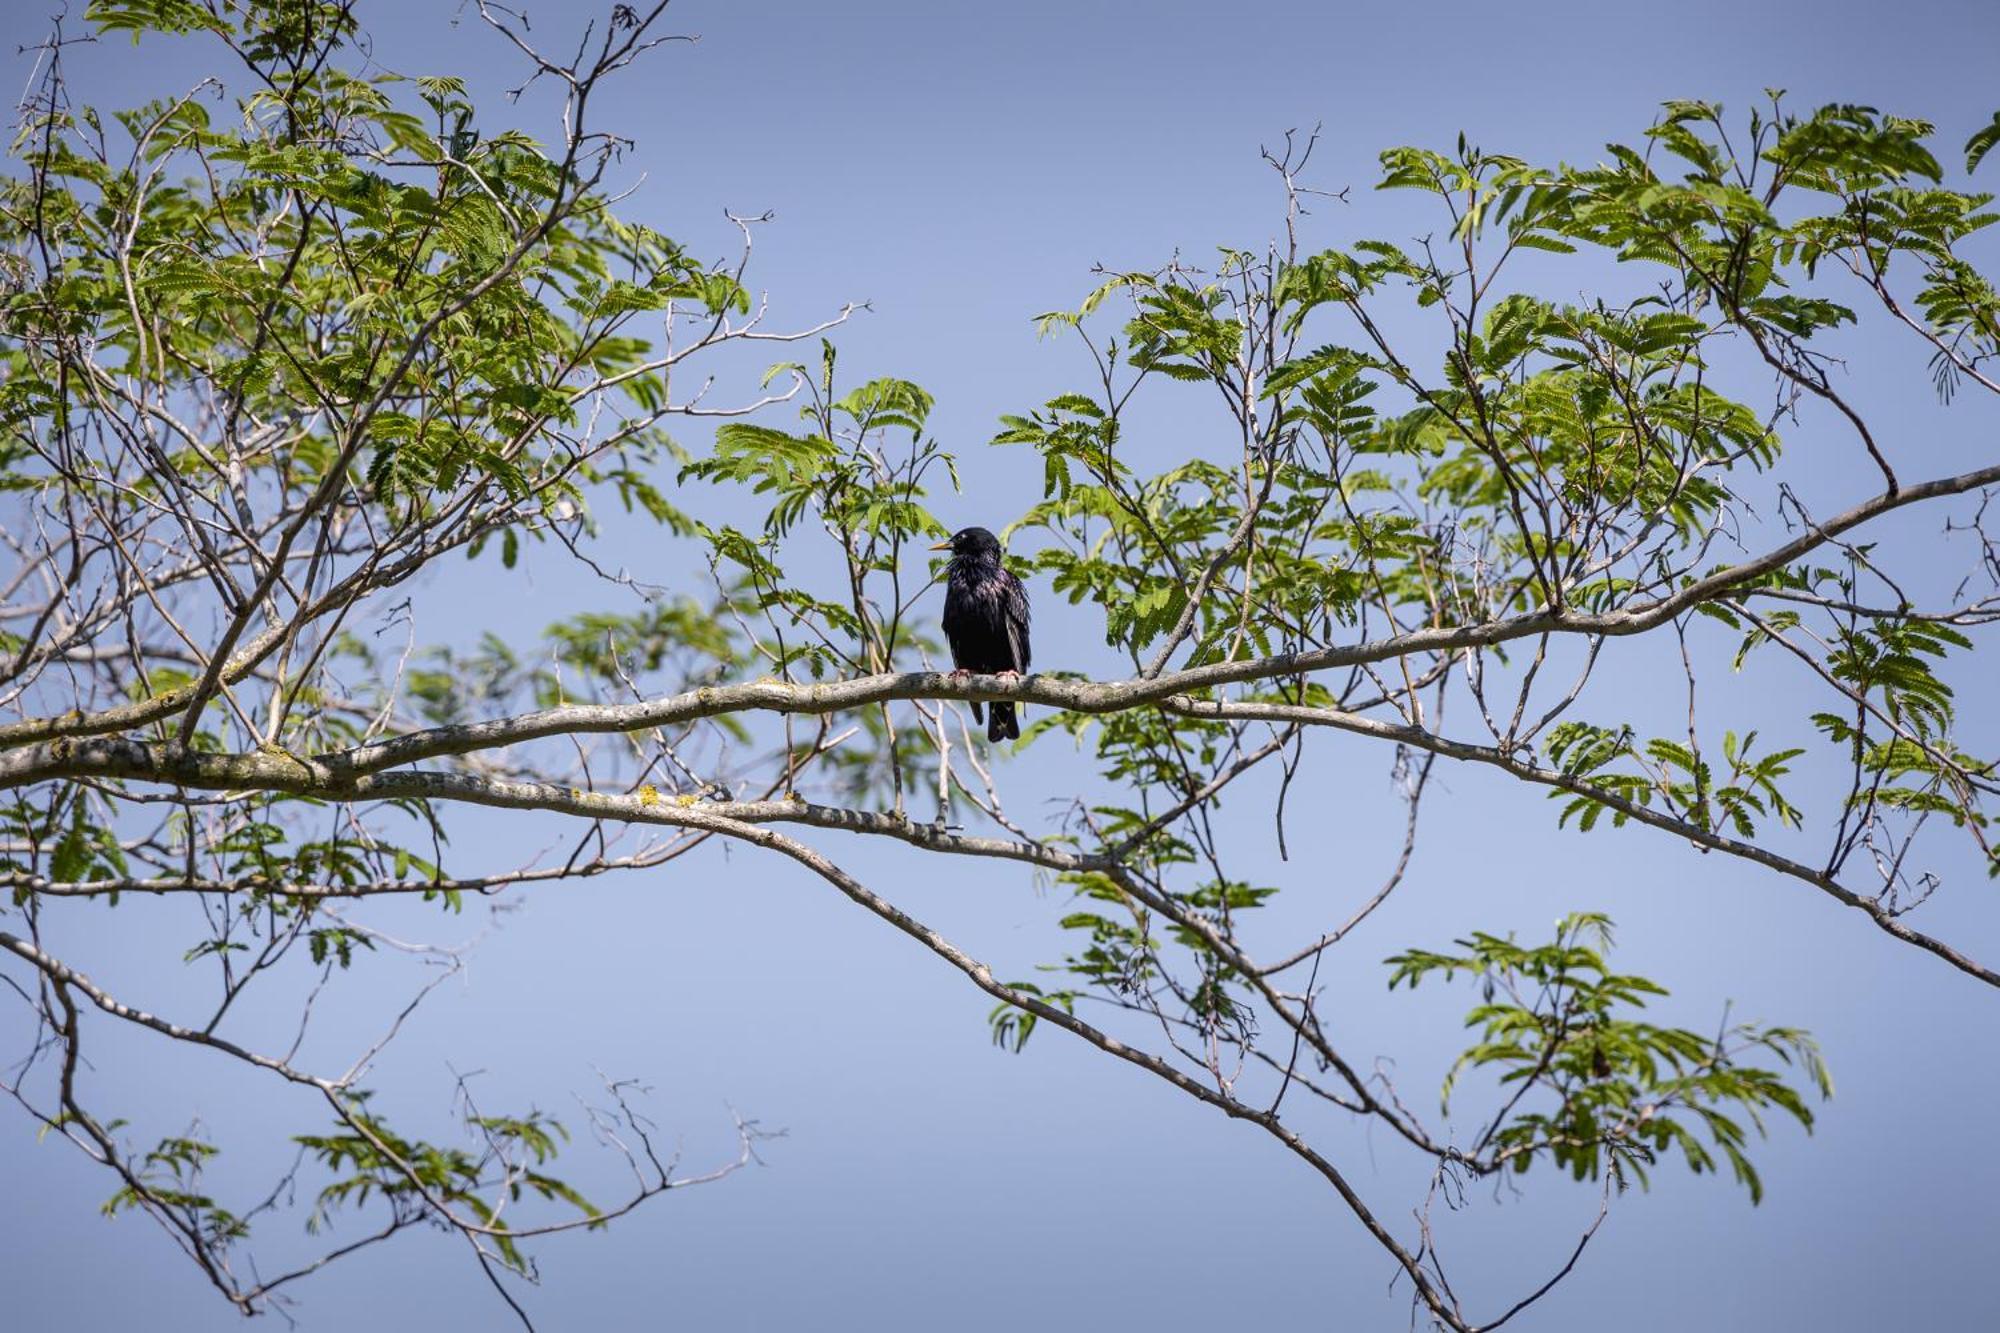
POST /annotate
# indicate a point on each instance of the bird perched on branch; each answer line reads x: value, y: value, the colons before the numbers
x: 985, y: 619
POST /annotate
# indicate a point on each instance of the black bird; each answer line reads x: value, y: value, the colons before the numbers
x: 986, y: 619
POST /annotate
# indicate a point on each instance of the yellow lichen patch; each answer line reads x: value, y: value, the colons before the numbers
x: 684, y: 800
x: 649, y: 795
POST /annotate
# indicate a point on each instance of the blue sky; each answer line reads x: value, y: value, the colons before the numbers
x: 962, y: 168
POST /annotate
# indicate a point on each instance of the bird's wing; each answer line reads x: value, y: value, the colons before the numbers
x: 954, y: 622
x: 1014, y: 604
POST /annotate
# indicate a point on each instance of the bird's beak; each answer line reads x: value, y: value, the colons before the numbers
x: 944, y: 545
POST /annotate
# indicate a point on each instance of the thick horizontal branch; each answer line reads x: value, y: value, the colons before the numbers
x: 283, y: 773
x: 1110, y: 697
x: 334, y: 889
x: 160, y: 762
x: 1072, y: 695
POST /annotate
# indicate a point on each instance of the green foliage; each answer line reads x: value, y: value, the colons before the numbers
x: 73, y: 841
x: 88, y: 850
x: 169, y: 1176
x: 372, y: 1161
x: 1592, y: 1089
x: 1892, y: 660
x: 1012, y: 1026
x: 1672, y: 773
x: 430, y: 304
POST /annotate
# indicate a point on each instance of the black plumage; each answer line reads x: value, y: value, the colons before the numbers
x: 985, y: 619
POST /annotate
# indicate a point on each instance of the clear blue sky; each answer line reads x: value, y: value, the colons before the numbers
x: 962, y: 167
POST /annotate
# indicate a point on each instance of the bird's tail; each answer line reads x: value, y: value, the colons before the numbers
x: 1003, y: 725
